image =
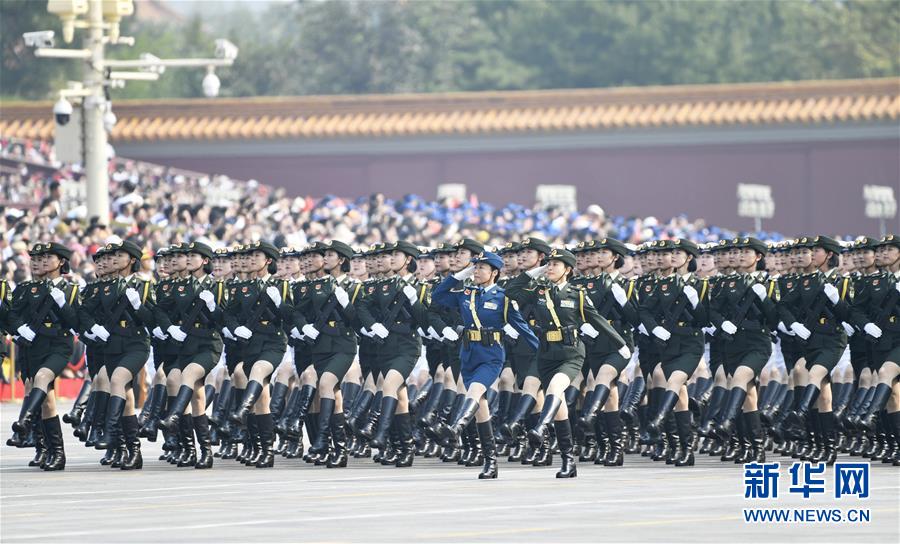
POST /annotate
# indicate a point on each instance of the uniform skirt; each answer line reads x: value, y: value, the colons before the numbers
x: 594, y: 361
x: 887, y: 349
x: 650, y: 355
x: 335, y: 363
x: 132, y: 360
x: 751, y: 349
x: 524, y: 366
x: 829, y: 353
x: 50, y: 353
x: 207, y: 355
x: 684, y: 355
x: 403, y: 364
x: 549, y: 368
x: 485, y: 372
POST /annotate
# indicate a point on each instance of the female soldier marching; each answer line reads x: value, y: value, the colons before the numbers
x: 193, y: 319
x: 43, y: 317
x: 487, y: 317
x: 254, y: 316
x: 562, y: 313
x: 124, y: 308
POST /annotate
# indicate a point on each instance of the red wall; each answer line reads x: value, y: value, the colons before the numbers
x: 817, y: 186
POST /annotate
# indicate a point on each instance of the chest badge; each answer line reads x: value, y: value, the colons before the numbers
x: 648, y: 289
x: 789, y: 284
x: 243, y: 289
x: 664, y: 287
x: 33, y: 290
x: 805, y: 283
x: 874, y: 282
x: 181, y: 288
x: 590, y: 285
x: 384, y: 287
x: 318, y: 287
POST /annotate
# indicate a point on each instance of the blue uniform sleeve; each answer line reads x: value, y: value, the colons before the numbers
x: 515, y: 319
x: 443, y: 295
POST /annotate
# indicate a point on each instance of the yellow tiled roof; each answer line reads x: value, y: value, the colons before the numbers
x: 518, y: 112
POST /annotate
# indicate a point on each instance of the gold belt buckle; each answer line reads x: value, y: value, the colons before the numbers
x: 331, y: 324
x: 822, y: 321
x: 681, y: 323
x: 554, y: 336
x: 123, y: 324
x: 893, y: 319
x: 475, y: 336
x: 48, y: 325
x: 263, y: 322
x: 497, y: 337
x: 196, y: 325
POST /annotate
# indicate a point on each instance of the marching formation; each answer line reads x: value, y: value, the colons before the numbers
x: 669, y: 350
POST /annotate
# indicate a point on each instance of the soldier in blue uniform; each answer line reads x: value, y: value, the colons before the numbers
x: 487, y: 317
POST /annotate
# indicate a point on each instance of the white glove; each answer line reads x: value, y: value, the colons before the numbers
x: 728, y: 327
x: 433, y: 333
x: 785, y: 330
x: 158, y: 332
x: 243, y: 332
x: 380, y: 331
x: 210, y: 300
x: 422, y: 333
x: 831, y: 292
x: 511, y: 331
x: 341, y: 296
x: 310, y: 331
x: 296, y: 334
x: 897, y: 286
x: 625, y: 352
x: 273, y: 293
x: 661, y: 333
x: 535, y: 272
x: 411, y: 293
x: 450, y: 334
x: 760, y: 290
x: 847, y: 328
x: 872, y: 330
x: 588, y: 330
x: 643, y: 330
x: 619, y: 294
x: 90, y: 336
x: 801, y: 330
x: 465, y: 273
x: 176, y: 333
x: 364, y: 332
x: 709, y: 330
x: 26, y: 332
x: 100, y: 332
x: 227, y: 334
x: 691, y: 295
x: 58, y: 297
x: 133, y: 297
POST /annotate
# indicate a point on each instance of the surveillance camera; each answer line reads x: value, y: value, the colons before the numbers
x: 62, y: 110
x: 41, y: 38
x: 211, y: 85
x: 109, y: 120
x: 226, y: 50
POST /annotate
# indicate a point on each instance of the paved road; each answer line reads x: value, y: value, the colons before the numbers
x: 431, y: 502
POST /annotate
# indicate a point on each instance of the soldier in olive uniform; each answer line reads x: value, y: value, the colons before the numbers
x: 193, y: 319
x: 162, y: 346
x: 43, y: 318
x: 254, y: 317
x: 562, y: 314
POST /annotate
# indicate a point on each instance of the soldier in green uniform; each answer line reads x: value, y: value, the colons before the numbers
x: 562, y: 314
x: 614, y: 298
x: 392, y: 312
x: 508, y: 396
x: 193, y: 318
x: 125, y: 309
x: 163, y: 350
x: 254, y: 317
x: 743, y: 312
x: 43, y: 318
x: 674, y: 311
x: 816, y: 312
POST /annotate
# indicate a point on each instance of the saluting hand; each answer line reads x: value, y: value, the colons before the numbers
x: 539, y: 271
x: 465, y: 273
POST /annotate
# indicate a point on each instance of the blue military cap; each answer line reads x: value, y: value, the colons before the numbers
x: 489, y: 258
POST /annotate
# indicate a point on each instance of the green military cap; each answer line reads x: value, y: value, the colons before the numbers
x: 826, y: 243
x: 890, y: 240
x: 688, y: 246
x: 200, y: 249
x: 536, y: 244
x: 51, y: 248
x: 359, y: 253
x: 374, y: 249
x: 616, y: 246
x: 316, y: 247
x: 426, y: 252
x: 753, y: 243
x: 866, y: 242
x: 404, y: 246
x: 662, y: 245
x: 476, y: 247
x: 508, y: 247
x: 722, y: 245
x: 563, y: 255
x: 342, y: 249
x: 288, y: 251
x: 160, y: 253
x: 265, y: 247
x: 444, y: 247
x: 221, y: 253
x: 127, y: 246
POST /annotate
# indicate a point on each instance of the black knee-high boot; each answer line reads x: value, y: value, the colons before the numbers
x: 31, y: 409
x: 564, y: 439
x: 879, y: 400
x: 712, y: 410
x: 407, y: 446
x: 134, y: 460
x: 73, y: 417
x: 266, y: 438
x: 551, y: 406
x: 223, y: 404
x: 448, y: 434
x: 277, y: 402
x: 188, y: 456
x: 589, y: 412
x: 685, y: 457
x: 388, y: 405
x: 615, y: 433
x: 438, y: 397
x: 251, y: 395
x: 114, y: 408
x: 666, y: 405
x: 41, y: 448
x: 204, y: 442
x: 157, y: 400
x: 632, y: 398
x: 322, y: 441
x: 489, y: 451
x: 513, y: 425
x: 338, y: 457
x: 56, y: 459
x: 177, y: 408
x: 732, y: 408
x: 360, y: 408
